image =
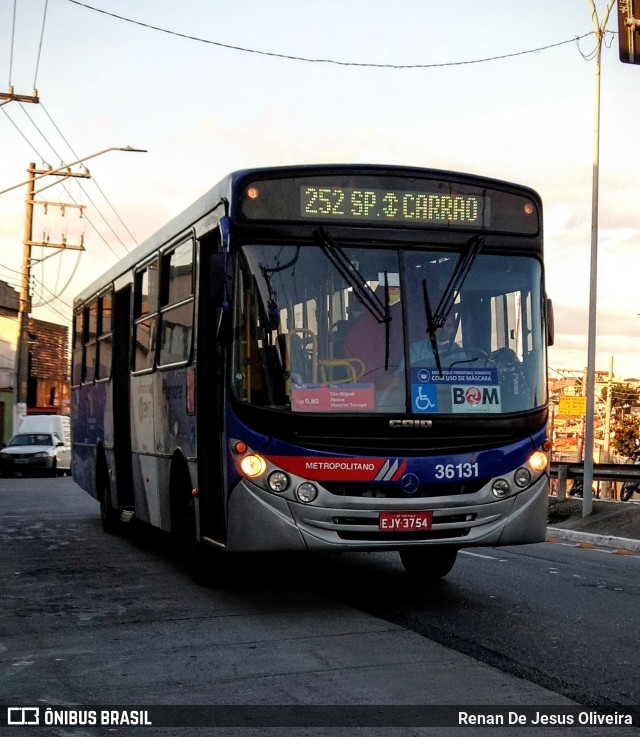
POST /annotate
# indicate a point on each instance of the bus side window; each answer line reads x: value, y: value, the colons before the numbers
x: 177, y: 305
x: 91, y: 341
x: 145, y: 316
x: 78, y: 347
x: 105, y: 336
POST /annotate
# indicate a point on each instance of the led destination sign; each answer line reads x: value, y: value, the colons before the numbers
x: 387, y: 201
x: 394, y: 206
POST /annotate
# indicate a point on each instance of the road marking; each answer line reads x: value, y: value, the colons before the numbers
x: 480, y: 555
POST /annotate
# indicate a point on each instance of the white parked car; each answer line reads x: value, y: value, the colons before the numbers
x: 37, y: 453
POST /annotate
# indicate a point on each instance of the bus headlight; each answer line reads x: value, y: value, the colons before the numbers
x: 278, y: 481
x: 501, y: 488
x: 306, y: 492
x: 538, y: 461
x: 522, y: 477
x: 253, y: 465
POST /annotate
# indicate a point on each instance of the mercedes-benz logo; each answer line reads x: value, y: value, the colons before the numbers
x: 410, y: 483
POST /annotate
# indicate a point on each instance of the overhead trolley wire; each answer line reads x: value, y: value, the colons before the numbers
x: 308, y: 60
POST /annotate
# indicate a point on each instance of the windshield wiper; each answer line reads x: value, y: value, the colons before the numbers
x: 349, y: 272
x: 452, y: 290
x: 361, y: 289
x: 460, y: 272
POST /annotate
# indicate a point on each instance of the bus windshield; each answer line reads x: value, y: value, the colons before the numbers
x: 328, y: 328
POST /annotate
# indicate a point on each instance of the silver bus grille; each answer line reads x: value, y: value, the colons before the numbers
x: 395, y: 491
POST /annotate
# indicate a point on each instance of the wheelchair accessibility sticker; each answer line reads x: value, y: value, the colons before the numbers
x: 455, y: 390
x: 424, y: 397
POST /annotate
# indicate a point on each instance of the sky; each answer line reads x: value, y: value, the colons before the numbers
x: 495, y: 88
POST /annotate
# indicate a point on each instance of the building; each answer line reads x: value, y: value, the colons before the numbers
x: 568, y: 431
x: 9, y: 301
x: 48, y: 383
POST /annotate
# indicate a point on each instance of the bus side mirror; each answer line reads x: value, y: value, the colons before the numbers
x: 550, y: 323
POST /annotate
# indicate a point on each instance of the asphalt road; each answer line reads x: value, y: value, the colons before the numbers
x: 562, y: 616
x: 117, y: 620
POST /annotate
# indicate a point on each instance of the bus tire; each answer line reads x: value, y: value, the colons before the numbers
x: 428, y: 563
x: 109, y: 517
x: 207, y: 566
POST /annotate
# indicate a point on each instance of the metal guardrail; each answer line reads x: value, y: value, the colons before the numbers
x: 601, y: 471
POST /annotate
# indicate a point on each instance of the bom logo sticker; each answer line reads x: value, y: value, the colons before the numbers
x: 475, y: 398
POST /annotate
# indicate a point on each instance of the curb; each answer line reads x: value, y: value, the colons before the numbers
x: 607, y: 541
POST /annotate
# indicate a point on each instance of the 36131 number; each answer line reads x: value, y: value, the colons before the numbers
x: 451, y: 471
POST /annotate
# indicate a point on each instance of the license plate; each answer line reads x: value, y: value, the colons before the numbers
x: 21, y: 460
x: 405, y: 521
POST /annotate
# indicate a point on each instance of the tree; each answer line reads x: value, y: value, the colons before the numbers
x: 622, y: 394
x: 626, y: 440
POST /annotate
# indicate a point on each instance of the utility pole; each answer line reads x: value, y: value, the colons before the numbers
x: 24, y: 308
x: 587, y: 494
x: 22, y: 349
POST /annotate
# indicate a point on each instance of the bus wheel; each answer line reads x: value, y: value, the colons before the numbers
x: 428, y: 563
x: 109, y: 517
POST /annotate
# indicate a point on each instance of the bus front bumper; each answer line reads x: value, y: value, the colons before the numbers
x: 262, y: 521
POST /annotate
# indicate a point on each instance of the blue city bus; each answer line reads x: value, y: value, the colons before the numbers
x: 323, y: 358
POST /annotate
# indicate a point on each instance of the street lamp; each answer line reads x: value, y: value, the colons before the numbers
x: 22, y: 348
x: 64, y: 167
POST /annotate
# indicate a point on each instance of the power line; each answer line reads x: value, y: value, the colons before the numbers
x: 44, y: 18
x: 45, y: 302
x: 13, y: 33
x: 44, y: 161
x: 308, y: 60
x: 88, y: 196
x: 17, y: 127
x: 42, y: 286
x: 133, y: 238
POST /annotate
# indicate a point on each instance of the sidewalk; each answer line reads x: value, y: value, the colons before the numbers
x: 611, y: 524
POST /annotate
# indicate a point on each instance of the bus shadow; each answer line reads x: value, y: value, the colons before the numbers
x: 372, y: 582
